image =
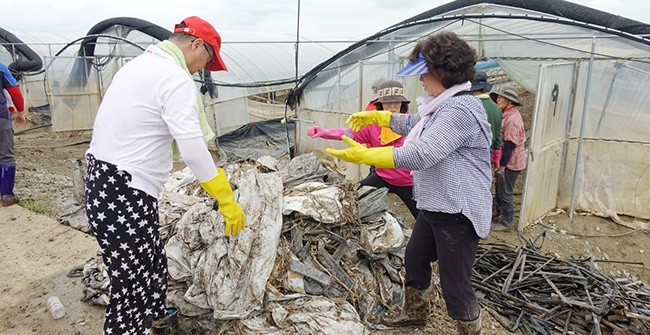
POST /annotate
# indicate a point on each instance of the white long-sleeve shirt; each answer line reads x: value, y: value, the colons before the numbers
x: 150, y: 102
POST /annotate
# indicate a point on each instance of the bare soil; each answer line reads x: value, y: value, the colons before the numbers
x: 39, y: 252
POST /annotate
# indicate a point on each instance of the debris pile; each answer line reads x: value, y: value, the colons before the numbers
x: 318, y: 254
x: 541, y: 294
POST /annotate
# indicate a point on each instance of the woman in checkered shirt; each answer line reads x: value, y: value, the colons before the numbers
x: 448, y: 148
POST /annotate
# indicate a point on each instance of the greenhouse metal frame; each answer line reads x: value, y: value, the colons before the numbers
x: 589, y: 144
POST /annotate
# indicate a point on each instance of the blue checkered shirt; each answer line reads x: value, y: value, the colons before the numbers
x: 451, y: 160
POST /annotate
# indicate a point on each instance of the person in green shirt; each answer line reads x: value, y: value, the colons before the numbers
x: 481, y: 89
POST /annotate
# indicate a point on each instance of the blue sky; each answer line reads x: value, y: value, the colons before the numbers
x: 318, y: 18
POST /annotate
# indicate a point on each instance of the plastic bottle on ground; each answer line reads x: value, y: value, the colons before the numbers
x: 56, y: 307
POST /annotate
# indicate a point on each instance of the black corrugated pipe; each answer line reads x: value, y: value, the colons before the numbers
x: 28, y: 59
x: 81, y: 68
x: 576, y: 15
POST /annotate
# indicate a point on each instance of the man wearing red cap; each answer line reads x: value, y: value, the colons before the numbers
x: 151, y: 114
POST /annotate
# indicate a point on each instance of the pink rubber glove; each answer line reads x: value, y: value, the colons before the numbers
x: 496, y: 157
x: 329, y: 134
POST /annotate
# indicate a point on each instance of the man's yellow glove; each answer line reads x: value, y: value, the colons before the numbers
x: 219, y: 188
x: 381, y: 157
x: 359, y: 120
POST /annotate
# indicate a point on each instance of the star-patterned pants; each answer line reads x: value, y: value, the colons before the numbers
x: 125, y: 223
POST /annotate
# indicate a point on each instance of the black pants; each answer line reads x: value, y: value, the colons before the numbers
x: 451, y: 240
x: 403, y: 192
x: 124, y: 221
x: 6, y: 143
x: 505, y: 190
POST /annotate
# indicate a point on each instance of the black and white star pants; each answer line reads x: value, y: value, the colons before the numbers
x: 125, y: 222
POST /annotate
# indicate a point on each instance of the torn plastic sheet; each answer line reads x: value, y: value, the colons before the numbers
x: 305, y: 168
x: 384, y: 236
x: 372, y: 203
x: 228, y: 273
x: 316, y: 200
x: 301, y: 314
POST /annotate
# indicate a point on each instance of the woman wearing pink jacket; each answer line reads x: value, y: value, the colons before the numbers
x: 397, y: 181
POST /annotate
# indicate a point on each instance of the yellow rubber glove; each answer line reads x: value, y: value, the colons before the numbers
x: 381, y: 157
x: 359, y: 120
x: 219, y: 188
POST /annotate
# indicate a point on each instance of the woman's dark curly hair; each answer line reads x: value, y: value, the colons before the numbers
x: 449, y: 58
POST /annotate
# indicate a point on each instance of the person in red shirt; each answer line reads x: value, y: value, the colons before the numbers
x: 513, y: 156
x: 11, y: 107
x: 397, y: 181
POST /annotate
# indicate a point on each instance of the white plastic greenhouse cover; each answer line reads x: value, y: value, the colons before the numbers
x: 43, y: 44
x: 265, y: 58
x: 607, y: 138
x: 254, y: 58
x: 251, y: 57
x: 257, y: 63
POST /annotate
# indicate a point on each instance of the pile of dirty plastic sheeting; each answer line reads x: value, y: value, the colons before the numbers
x: 337, y: 263
x: 318, y: 255
x: 228, y: 274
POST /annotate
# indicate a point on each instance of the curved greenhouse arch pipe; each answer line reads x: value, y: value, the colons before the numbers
x: 153, y: 30
x: 598, y: 21
x: 79, y: 75
x: 82, y: 66
x: 14, y: 46
x: 71, y: 43
x: 564, y: 9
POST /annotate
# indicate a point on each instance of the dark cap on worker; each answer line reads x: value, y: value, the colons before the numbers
x: 480, y: 83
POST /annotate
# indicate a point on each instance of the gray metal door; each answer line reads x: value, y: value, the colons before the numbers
x: 547, y: 141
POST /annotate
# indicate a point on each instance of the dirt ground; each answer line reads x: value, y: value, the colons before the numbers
x: 38, y: 252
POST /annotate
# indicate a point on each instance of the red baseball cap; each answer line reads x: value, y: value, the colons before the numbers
x: 200, y: 28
